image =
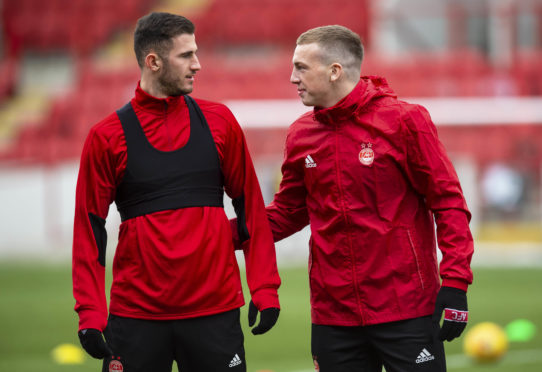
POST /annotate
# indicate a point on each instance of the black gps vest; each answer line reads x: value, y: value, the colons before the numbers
x: 157, y: 180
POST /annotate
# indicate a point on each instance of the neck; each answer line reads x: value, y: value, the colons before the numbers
x: 341, y: 90
x: 151, y: 86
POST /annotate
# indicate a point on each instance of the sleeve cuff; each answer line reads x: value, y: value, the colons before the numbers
x: 455, y: 283
x: 92, y: 319
x: 266, y: 298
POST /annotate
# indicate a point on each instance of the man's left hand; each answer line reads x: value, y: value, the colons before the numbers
x: 453, y: 301
x: 268, y: 318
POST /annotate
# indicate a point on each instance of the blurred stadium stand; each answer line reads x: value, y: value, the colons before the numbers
x: 78, y: 26
x: 245, y: 52
x: 449, y: 48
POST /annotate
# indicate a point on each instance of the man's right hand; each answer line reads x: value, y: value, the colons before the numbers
x: 94, y: 343
x: 268, y: 318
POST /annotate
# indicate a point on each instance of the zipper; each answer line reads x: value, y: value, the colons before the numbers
x: 347, y: 224
x: 415, y: 258
x: 170, y: 140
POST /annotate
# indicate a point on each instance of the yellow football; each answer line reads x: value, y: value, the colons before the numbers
x: 485, y: 342
x: 68, y: 354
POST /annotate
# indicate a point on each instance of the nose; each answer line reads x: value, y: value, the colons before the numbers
x: 294, y: 79
x: 196, y: 66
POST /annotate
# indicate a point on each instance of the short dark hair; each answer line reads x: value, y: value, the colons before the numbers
x: 154, y: 32
x: 338, y: 43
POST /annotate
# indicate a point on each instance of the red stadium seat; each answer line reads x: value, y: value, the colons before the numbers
x: 80, y: 26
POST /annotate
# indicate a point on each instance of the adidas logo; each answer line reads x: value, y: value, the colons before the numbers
x: 424, y: 356
x: 309, y: 163
x: 235, y: 361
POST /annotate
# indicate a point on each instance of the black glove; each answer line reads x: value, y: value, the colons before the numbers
x: 454, y: 303
x: 268, y: 318
x: 94, y: 343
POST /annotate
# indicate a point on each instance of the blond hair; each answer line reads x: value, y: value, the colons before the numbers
x: 338, y: 44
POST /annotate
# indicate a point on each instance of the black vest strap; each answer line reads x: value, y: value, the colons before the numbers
x: 157, y: 180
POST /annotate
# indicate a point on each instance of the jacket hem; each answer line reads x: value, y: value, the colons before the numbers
x: 195, y: 314
x: 387, y: 318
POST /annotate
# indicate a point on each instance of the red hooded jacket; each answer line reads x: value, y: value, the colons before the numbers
x: 372, y: 178
x: 170, y: 264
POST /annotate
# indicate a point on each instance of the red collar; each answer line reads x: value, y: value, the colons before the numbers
x: 156, y: 105
x: 366, y: 90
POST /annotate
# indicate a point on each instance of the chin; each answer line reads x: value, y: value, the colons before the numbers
x: 307, y: 102
x: 187, y: 90
x: 180, y: 92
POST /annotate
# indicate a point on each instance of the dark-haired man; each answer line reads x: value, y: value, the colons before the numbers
x: 166, y: 159
x: 370, y: 176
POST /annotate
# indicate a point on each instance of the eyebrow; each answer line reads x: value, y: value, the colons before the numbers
x: 188, y: 53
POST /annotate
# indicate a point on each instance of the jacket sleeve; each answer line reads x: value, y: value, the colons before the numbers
x: 287, y: 213
x: 251, y: 226
x: 433, y: 175
x: 94, y: 194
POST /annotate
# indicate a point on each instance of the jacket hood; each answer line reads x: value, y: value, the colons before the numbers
x: 366, y: 91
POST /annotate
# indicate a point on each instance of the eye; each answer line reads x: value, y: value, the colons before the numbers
x: 187, y: 55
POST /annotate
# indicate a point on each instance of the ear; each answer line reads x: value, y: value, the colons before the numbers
x: 153, y: 62
x: 337, y: 71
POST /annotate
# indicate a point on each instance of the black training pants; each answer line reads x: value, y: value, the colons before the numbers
x: 404, y: 346
x: 204, y: 344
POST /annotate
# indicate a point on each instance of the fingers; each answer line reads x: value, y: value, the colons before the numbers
x: 260, y: 329
x: 252, y: 313
x: 460, y: 328
x: 94, y: 344
x: 455, y: 331
x: 268, y: 318
x: 105, y: 350
x: 451, y: 330
x: 437, y: 314
x: 444, y: 331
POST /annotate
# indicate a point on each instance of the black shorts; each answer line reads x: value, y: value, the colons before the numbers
x: 408, y: 345
x: 204, y: 344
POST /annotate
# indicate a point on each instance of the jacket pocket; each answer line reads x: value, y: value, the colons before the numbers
x: 417, y: 258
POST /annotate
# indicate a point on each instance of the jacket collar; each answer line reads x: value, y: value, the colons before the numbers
x: 366, y: 90
x: 156, y: 105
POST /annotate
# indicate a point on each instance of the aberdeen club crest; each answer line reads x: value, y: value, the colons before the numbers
x: 115, y: 366
x: 366, y: 155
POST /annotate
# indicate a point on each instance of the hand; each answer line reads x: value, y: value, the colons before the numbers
x: 94, y: 343
x: 268, y: 318
x: 454, y: 303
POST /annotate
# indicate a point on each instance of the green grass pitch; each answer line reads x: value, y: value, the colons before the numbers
x: 36, y: 314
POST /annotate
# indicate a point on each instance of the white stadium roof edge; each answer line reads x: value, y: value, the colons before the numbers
x: 443, y: 111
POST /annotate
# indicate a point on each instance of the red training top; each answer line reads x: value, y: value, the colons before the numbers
x: 170, y: 264
x: 372, y: 178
